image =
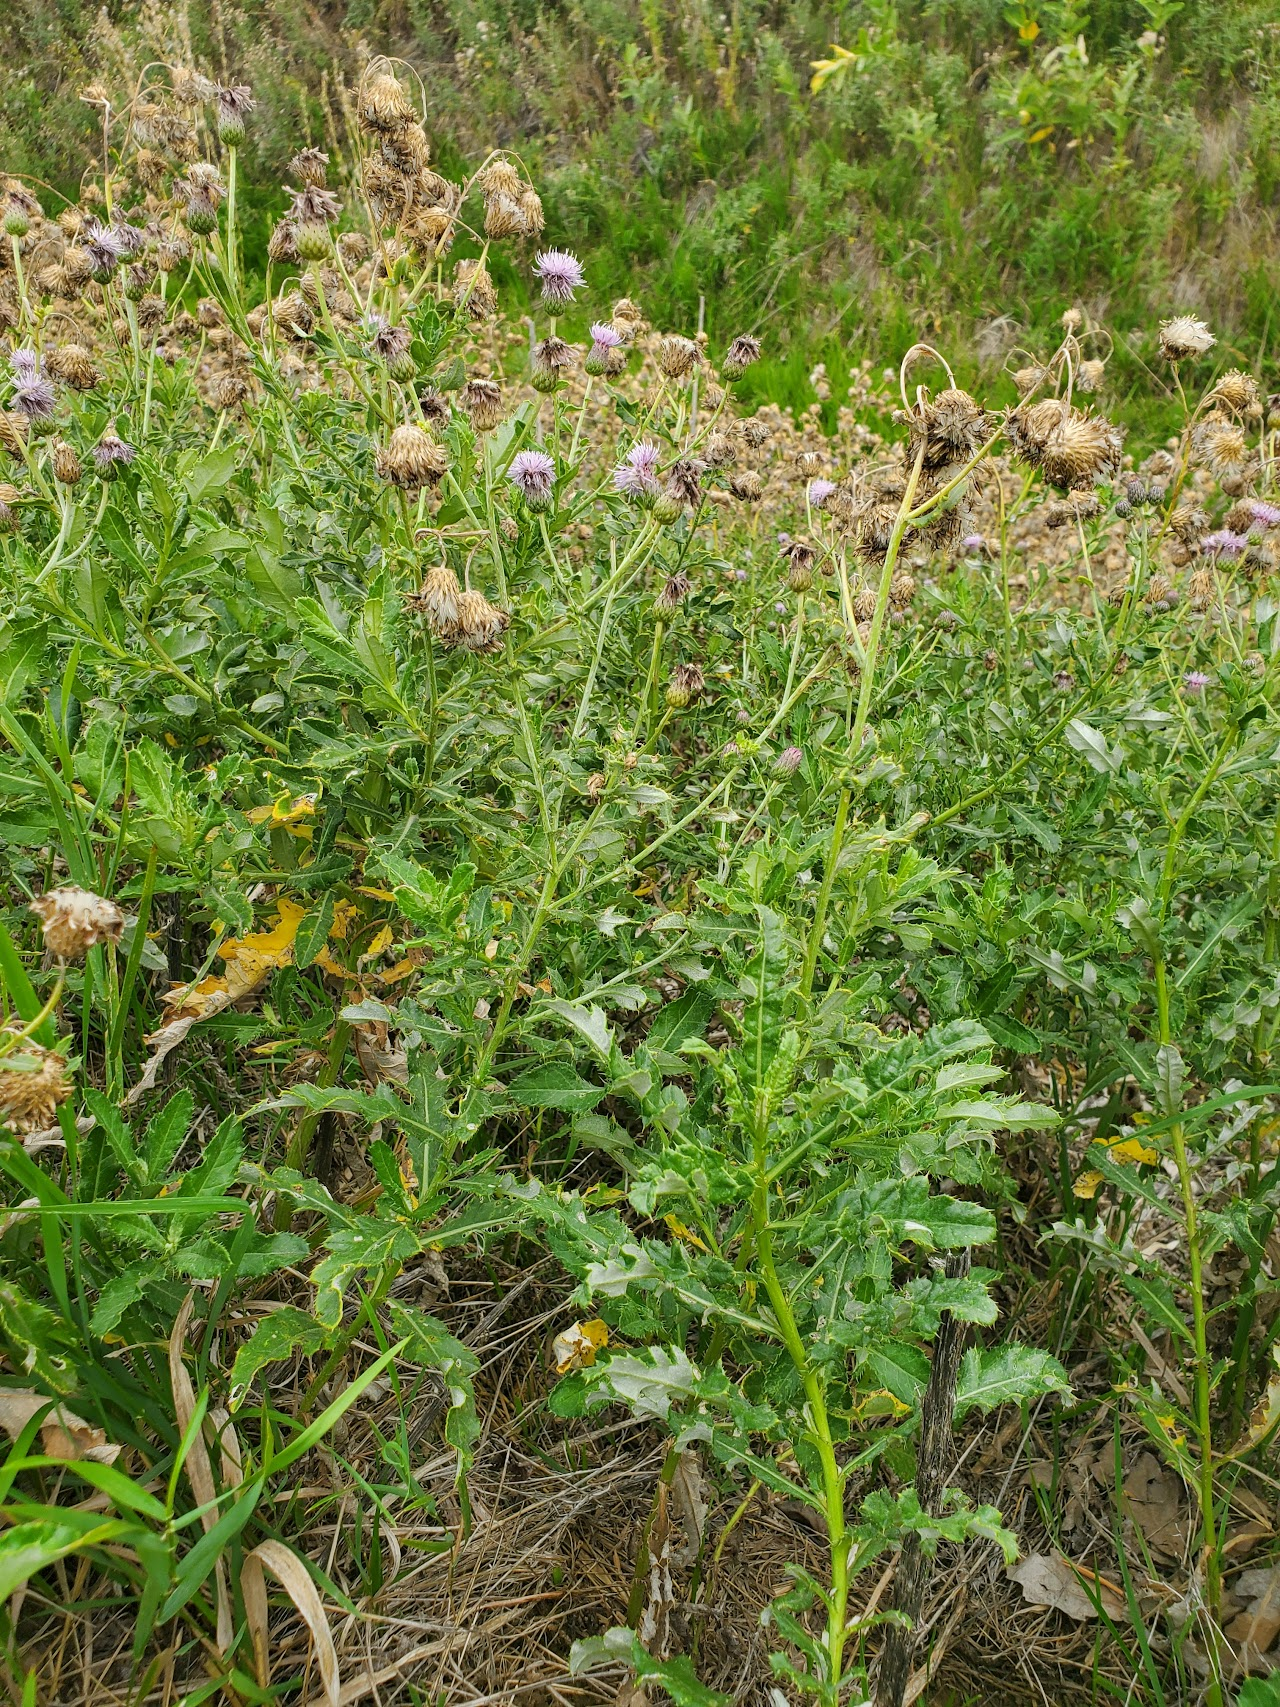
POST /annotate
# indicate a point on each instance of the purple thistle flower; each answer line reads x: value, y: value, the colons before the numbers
x: 561, y: 274
x: 637, y: 474
x: 789, y: 761
x: 533, y: 474
x: 388, y: 341
x: 1224, y: 543
x: 739, y: 574
x: 1195, y: 681
x: 1266, y: 515
x: 36, y: 400
x: 606, y: 336
x: 973, y: 542
x: 25, y: 365
x: 820, y: 491
x: 111, y: 453
x: 103, y: 247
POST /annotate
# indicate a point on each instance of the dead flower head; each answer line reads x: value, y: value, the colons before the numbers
x: 412, y: 459
x: 75, y: 920
x: 33, y: 1081
x: 1184, y: 338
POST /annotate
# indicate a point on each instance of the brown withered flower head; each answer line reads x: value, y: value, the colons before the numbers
x: 949, y: 428
x: 482, y: 400
x: 480, y: 625
x: 310, y: 166
x: 437, y: 600
x: 33, y: 1082
x: 1239, y: 391
x: 67, y: 470
x: 74, y: 366
x: 1184, y: 338
x: 742, y: 352
x: 75, y: 920
x: 687, y: 682
x: 1070, y: 447
x: 383, y: 107
x: 473, y: 289
x: 411, y: 459
x: 672, y: 594
x: 676, y: 356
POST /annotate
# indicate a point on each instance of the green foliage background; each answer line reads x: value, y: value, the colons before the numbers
x: 977, y: 167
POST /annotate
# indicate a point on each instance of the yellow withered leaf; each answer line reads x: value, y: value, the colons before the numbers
x: 385, y: 937
x: 686, y: 1235
x: 1133, y: 1150
x: 1088, y: 1183
x: 284, y: 814
x: 577, y: 1346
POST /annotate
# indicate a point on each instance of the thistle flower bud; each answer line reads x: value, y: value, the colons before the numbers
x: 676, y: 356
x: 75, y: 920
x: 312, y: 241
x: 111, y: 454
x: 686, y: 684
x: 33, y: 1082
x: 482, y: 400
x: 1136, y: 492
x: 437, y: 600
x: 533, y: 474
x: 200, y: 215
x: 1184, y: 338
x: 742, y: 352
x: 788, y: 761
x: 66, y: 464
x: 235, y: 103
x: 411, y: 459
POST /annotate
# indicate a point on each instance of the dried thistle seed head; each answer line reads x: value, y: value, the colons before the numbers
x: 386, y: 341
x: 150, y: 169
x: 1070, y: 447
x: 902, y: 589
x: 951, y: 428
x: 1224, y: 448
x: 230, y: 390
x: 434, y: 407
x: 65, y: 463
x: 746, y: 485
x: 14, y: 432
x: 873, y: 529
x: 1026, y: 379
x: 33, y: 1082
x: 75, y: 920
x: 799, y: 553
x: 313, y: 205
x: 684, y: 483
x: 742, y: 352
x: 191, y: 89
x: 406, y: 151
x: 1242, y: 518
x: 720, y: 450
x: 531, y: 209
x: 499, y: 178
x: 111, y: 453
x: 864, y: 604
x: 504, y: 217
x: 74, y: 366
x: 672, y: 593
x: 437, y: 600
x: 353, y: 247
x: 676, y: 356
x: 687, y: 682
x: 1090, y: 376
x: 482, y: 400
x: 550, y: 359
x: 1159, y: 593
x: 628, y: 316
x: 411, y: 459
x: 282, y: 245
x: 172, y: 252
x: 1238, y: 390
x: 533, y: 474
x: 473, y: 290
x: 1201, y: 589
x: 1184, y: 338
x: 756, y: 432
x: 383, y: 107
x: 310, y: 166
x: 480, y: 625
x: 1188, y: 521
